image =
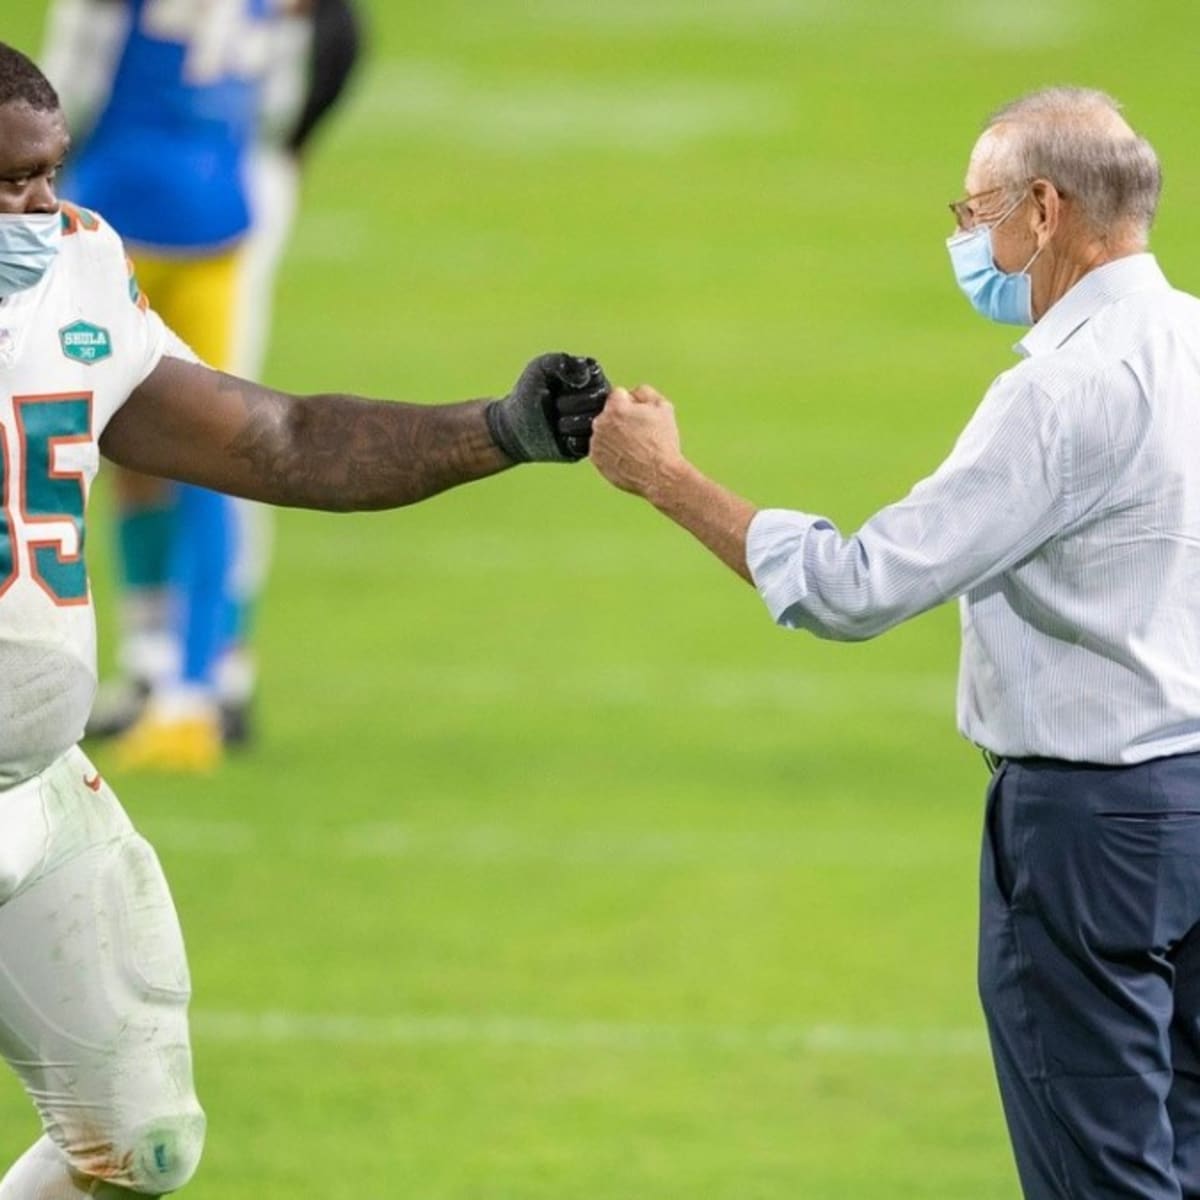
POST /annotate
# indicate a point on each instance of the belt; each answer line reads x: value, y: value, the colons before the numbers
x: 993, y: 762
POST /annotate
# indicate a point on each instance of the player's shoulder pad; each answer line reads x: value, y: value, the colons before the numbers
x: 98, y: 245
x: 77, y: 220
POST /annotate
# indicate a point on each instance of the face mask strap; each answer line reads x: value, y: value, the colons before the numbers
x: 986, y: 227
x: 1008, y: 212
x: 1012, y: 208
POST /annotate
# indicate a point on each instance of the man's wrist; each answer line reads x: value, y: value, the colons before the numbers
x: 671, y: 485
x: 717, y: 517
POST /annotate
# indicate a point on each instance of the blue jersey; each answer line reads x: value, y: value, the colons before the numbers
x: 164, y: 163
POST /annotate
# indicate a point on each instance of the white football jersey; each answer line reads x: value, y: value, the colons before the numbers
x: 72, y: 348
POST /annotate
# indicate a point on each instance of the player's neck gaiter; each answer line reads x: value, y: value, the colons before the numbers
x: 28, y: 245
x: 996, y: 294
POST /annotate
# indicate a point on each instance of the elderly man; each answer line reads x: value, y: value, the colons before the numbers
x: 1067, y: 518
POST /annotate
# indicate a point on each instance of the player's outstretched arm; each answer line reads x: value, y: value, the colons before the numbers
x: 191, y: 423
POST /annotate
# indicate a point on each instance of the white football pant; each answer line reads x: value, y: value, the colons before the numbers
x: 94, y: 985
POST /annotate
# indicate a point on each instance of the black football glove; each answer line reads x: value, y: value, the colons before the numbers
x: 548, y: 415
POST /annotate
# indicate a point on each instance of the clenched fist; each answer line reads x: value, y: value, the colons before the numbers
x: 635, y: 442
x: 548, y: 415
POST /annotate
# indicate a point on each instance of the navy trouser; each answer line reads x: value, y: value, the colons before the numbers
x: 1089, y: 972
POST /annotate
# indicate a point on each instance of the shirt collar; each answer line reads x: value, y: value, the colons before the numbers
x: 1096, y: 290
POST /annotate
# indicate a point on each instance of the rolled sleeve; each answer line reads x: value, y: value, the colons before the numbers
x: 775, y: 557
x: 812, y: 577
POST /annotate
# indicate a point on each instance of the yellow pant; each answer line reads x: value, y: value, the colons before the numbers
x: 197, y: 297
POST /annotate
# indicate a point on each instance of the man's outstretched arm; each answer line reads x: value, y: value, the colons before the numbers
x: 337, y: 452
x: 998, y: 497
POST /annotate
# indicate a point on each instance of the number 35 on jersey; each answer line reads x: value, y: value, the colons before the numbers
x: 47, y: 458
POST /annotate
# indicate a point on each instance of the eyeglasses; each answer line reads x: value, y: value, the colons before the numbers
x: 964, y: 218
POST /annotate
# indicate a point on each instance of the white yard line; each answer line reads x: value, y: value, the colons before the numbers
x: 386, y: 841
x: 788, y: 693
x: 502, y: 1031
x: 1020, y: 24
x: 402, y: 97
x: 760, y: 18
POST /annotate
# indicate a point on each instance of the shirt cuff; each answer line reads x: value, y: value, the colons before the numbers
x: 775, y: 557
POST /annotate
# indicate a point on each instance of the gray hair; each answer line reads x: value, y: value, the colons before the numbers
x: 1076, y: 138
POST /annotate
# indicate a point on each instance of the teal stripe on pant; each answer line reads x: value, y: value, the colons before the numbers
x: 202, y: 554
x: 1089, y: 973
x: 143, y: 544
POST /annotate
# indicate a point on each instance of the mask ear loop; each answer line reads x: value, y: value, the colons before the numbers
x: 1008, y: 212
x: 1000, y: 220
x: 1012, y: 209
x: 1025, y: 269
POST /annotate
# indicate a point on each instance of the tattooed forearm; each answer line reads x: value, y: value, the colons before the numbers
x: 341, y: 452
x: 188, y: 422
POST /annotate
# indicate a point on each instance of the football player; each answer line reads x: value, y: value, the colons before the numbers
x: 94, y: 981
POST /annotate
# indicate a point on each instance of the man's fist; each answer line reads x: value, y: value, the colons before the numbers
x: 548, y: 415
x: 636, y: 447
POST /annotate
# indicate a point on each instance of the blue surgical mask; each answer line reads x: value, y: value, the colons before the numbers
x: 28, y: 245
x: 995, y: 294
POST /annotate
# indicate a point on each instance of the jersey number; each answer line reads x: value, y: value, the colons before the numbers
x: 219, y: 37
x: 46, y: 498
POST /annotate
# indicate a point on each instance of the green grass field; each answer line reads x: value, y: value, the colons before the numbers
x: 559, y: 872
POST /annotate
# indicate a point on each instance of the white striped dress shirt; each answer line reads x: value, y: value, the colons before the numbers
x: 1067, y: 519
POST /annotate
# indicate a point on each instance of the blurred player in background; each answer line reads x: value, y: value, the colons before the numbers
x: 163, y: 97
x: 315, y: 46
x: 203, y: 107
